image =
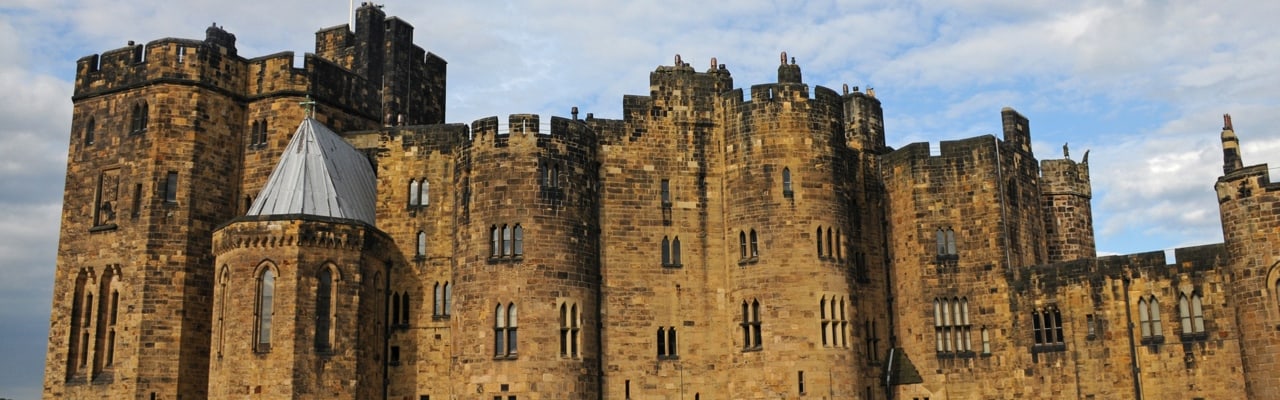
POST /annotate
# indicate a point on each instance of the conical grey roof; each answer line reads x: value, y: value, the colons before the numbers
x: 319, y: 174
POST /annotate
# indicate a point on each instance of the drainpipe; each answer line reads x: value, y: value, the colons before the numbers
x: 1133, y: 348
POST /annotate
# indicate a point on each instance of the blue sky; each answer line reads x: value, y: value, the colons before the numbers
x: 1143, y: 85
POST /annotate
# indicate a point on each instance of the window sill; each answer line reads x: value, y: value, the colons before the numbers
x: 669, y: 358
x: 749, y: 260
x: 506, y: 259
x: 1153, y: 340
x: 960, y: 354
x: 752, y: 349
x: 420, y: 258
x: 672, y: 265
x: 1049, y: 348
x: 1195, y: 337
x: 505, y: 357
x: 103, y: 228
x: 440, y: 317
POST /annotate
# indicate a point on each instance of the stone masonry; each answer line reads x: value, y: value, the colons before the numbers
x: 713, y: 243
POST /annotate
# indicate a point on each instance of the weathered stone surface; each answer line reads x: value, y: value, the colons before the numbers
x: 713, y: 243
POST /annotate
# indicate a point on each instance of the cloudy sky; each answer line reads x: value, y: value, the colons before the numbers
x: 1141, y: 84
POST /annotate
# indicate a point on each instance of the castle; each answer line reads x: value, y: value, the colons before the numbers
x: 221, y: 241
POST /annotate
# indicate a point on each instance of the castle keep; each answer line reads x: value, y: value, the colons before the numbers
x: 221, y: 241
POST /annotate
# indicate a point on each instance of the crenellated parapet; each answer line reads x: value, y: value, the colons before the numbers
x: 185, y: 61
x: 301, y: 231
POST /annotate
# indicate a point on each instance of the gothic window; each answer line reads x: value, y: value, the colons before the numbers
x: 422, y: 244
x: 667, y: 343
x: 1048, y: 329
x: 262, y: 316
x: 504, y: 337
x: 81, y: 321
x: 495, y: 245
x: 742, y: 245
x: 518, y: 241
x: 826, y: 322
x: 675, y: 252
x: 136, y: 211
x: 395, y: 310
x: 500, y: 331
x: 666, y: 251
x: 325, y: 309
x: 109, y: 295
x: 223, y: 281
x: 1149, y: 320
x: 818, y: 235
x: 570, y: 328
x: 986, y: 341
x: 951, y: 326
x: 438, y: 305
x: 755, y: 246
x: 946, y: 243
x: 414, y: 194
x: 448, y: 298
x: 88, y: 131
x: 830, y: 244
x: 138, y: 122
x: 786, y: 183
x: 1191, y: 312
x: 751, y: 337
x: 506, y: 240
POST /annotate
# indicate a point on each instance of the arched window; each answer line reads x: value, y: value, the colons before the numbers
x: 564, y: 330
x: 414, y: 195
x: 755, y: 246
x: 839, y: 246
x: 448, y: 298
x: 88, y: 131
x: 324, y: 309
x: 830, y: 244
x: 662, y: 342
x: 511, y: 330
x: 675, y: 251
x: 438, y: 305
x: 844, y: 325
x: 1191, y: 311
x: 104, y: 346
x: 517, y: 244
x: 742, y: 243
x: 986, y: 341
x: 223, y: 280
x: 786, y: 182
x: 942, y: 242
x: 422, y: 244
x: 826, y: 322
x: 1144, y: 318
x: 265, y: 309
x: 1157, y: 330
x: 496, y: 243
x: 499, y: 331
x: 575, y: 322
x: 951, y: 242
x: 506, y: 240
x: 666, y: 251
x: 818, y: 236
x: 671, y: 343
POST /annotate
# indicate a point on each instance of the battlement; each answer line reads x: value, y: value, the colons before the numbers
x: 1152, y: 265
x: 168, y: 59
x: 488, y: 131
x: 949, y: 149
x: 1065, y: 176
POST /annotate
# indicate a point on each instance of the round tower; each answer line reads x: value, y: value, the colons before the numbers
x: 527, y: 274
x: 1247, y: 200
x: 300, y: 281
x: 787, y: 223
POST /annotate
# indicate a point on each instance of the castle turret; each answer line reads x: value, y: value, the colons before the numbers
x: 301, y: 286
x: 527, y: 263
x: 1247, y: 200
x: 1068, y: 212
